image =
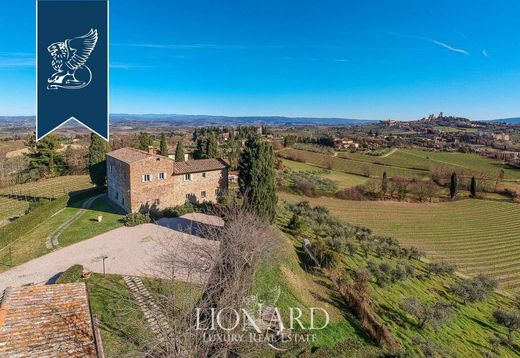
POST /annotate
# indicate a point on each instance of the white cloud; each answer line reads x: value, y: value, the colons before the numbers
x: 484, y: 53
x: 17, y: 60
x: 451, y: 48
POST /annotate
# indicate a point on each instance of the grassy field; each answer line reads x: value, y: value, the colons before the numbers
x: 423, y: 160
x: 14, y: 200
x: 350, y: 165
x: 343, y: 180
x: 477, y: 235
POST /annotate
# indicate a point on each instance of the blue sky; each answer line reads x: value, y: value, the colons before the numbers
x: 357, y: 59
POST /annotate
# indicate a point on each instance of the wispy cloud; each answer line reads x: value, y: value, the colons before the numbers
x: 484, y: 53
x: 199, y: 46
x: 17, y: 60
x: 127, y: 66
x: 451, y: 48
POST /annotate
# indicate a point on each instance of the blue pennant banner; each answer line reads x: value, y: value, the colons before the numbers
x: 72, y: 65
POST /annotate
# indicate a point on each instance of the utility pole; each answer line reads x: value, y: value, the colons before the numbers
x: 104, y: 257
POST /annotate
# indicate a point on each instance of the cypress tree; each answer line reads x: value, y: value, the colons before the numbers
x: 473, y: 188
x: 453, y: 185
x: 97, y: 159
x: 212, y: 149
x: 257, y: 180
x: 145, y: 140
x: 179, y: 151
x: 384, y: 185
x: 201, y: 150
x: 164, y: 145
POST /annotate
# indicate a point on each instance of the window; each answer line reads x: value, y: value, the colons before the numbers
x: 147, y: 177
x: 190, y: 198
x: 202, y: 194
x: 161, y: 176
x: 205, y: 174
x: 187, y: 177
x: 117, y: 195
x: 122, y: 200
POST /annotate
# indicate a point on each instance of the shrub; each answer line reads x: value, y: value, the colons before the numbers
x: 441, y: 268
x: 410, y: 270
x: 325, y: 256
x: 398, y: 273
x: 415, y: 253
x: 473, y: 289
x: 430, y: 348
x: 26, y: 223
x: 35, y: 204
x: 356, y: 193
x: 135, y: 219
x: 72, y: 274
x: 179, y: 210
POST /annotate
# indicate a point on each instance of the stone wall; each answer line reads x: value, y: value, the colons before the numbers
x: 118, y: 179
x: 155, y: 194
x: 213, y: 185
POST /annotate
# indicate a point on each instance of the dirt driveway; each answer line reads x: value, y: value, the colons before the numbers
x: 129, y: 251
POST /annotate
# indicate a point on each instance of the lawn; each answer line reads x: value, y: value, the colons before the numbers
x: 86, y: 226
x: 477, y: 235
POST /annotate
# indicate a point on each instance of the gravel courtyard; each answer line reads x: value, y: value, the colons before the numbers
x: 129, y: 250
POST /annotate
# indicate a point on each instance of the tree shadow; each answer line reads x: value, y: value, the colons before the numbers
x: 186, y: 226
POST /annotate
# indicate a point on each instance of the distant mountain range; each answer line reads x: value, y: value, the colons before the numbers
x: 121, y: 119
x: 514, y: 120
x: 207, y: 120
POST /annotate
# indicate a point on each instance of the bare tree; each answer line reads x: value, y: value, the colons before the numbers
x: 218, y: 275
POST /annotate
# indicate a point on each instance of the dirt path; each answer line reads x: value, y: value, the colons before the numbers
x: 52, y: 240
x: 389, y: 153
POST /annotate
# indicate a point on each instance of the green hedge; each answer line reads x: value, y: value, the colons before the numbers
x: 26, y: 223
x: 72, y: 274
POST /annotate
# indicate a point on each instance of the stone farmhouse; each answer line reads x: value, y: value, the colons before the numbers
x: 140, y: 181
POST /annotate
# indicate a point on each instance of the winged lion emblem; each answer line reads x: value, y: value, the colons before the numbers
x: 69, y: 60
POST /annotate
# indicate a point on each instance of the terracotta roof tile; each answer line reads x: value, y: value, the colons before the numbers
x: 46, y: 321
x: 130, y: 155
x: 197, y: 166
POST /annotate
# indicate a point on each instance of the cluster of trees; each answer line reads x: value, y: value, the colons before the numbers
x: 397, y: 188
x: 323, y: 141
x: 206, y: 146
x: 44, y: 156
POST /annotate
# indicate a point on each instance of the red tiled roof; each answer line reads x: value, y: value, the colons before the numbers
x: 46, y: 321
x: 197, y: 166
x: 130, y: 155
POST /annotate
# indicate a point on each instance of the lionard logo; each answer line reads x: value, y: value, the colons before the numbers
x: 69, y: 60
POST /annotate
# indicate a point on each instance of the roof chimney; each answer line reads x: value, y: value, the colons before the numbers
x: 151, y: 149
